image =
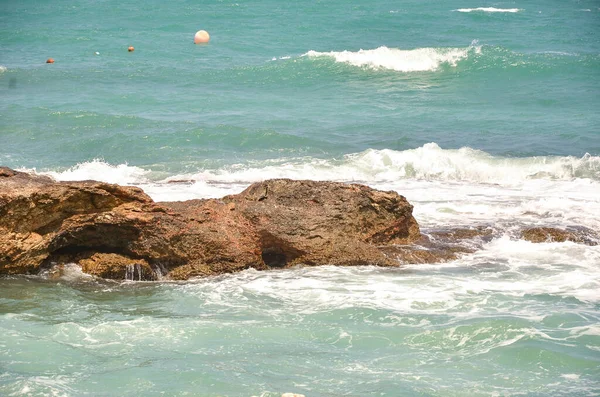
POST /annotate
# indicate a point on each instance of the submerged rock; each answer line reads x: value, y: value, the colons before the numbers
x: 551, y: 234
x: 118, y: 232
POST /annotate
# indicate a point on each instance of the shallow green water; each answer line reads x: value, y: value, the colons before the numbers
x: 419, y: 331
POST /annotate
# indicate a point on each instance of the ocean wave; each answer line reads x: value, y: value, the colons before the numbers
x: 99, y: 170
x: 429, y: 162
x: 3, y: 69
x: 489, y: 9
x: 416, y: 60
x: 477, y: 57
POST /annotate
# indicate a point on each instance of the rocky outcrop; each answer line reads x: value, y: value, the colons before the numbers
x: 119, y: 232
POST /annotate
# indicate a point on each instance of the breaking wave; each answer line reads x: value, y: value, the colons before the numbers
x: 416, y: 60
x: 428, y: 162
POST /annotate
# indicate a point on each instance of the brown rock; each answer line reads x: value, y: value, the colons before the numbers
x: 115, y: 266
x: 111, y: 230
x: 6, y: 172
x: 314, y: 223
x: 458, y: 234
x: 35, y: 214
x: 550, y: 234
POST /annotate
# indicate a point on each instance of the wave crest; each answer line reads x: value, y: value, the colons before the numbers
x: 489, y: 9
x: 428, y: 162
x: 416, y: 60
x: 466, y: 164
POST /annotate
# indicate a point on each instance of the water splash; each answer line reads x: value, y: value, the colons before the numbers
x: 133, y: 272
x: 160, y: 271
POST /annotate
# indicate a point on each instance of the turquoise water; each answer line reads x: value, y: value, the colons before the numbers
x: 319, y: 331
x: 480, y: 113
x: 252, y: 93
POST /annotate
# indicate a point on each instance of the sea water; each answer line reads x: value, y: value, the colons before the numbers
x: 483, y: 114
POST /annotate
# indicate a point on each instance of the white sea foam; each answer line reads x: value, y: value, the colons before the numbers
x: 489, y: 9
x: 462, y: 187
x: 416, y: 60
x: 570, y: 376
x: 561, y: 269
x: 427, y: 163
x: 68, y: 272
x: 3, y: 69
x: 99, y: 170
x: 45, y: 385
x: 516, y: 271
x: 373, y: 167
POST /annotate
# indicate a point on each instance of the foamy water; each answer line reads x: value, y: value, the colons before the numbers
x: 429, y: 162
x: 353, y: 323
x: 417, y: 60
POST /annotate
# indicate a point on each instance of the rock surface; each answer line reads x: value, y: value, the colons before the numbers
x: 551, y: 234
x: 119, y: 232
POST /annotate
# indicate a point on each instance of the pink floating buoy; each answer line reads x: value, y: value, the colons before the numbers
x: 50, y: 60
x: 131, y: 49
x: 201, y: 37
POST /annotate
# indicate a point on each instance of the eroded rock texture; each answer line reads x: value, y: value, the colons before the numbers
x: 111, y: 230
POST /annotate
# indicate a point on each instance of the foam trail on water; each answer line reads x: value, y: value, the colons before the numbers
x: 416, y: 60
x: 538, y: 268
x: 489, y: 9
x: 3, y: 69
x: 533, y: 203
x: 515, y: 269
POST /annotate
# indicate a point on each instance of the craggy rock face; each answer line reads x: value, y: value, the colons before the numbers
x: 38, y: 215
x: 119, y: 232
x: 324, y: 222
